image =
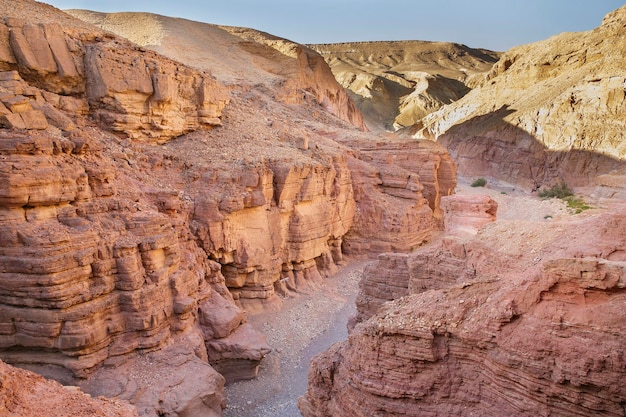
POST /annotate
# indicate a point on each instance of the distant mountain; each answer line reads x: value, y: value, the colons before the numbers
x: 395, y: 84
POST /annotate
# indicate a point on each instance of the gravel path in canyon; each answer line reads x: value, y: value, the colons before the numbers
x: 305, y: 326
x: 312, y: 322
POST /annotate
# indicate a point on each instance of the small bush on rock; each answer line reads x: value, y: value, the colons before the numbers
x: 577, y: 204
x: 480, y: 182
x: 562, y: 191
x: 558, y: 190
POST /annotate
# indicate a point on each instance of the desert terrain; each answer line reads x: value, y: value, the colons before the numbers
x: 396, y: 84
x: 185, y: 231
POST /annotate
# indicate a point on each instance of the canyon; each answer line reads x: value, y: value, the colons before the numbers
x: 514, y: 310
x: 157, y: 195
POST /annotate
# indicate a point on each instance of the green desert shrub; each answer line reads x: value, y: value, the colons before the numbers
x: 480, y: 182
x: 560, y: 190
x: 577, y: 204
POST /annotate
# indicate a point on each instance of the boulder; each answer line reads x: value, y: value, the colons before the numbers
x: 24, y: 394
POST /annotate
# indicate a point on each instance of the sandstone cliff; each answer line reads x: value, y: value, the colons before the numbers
x: 549, y: 111
x: 126, y: 88
x: 395, y: 84
x: 396, y: 275
x: 523, y: 319
x: 146, y: 205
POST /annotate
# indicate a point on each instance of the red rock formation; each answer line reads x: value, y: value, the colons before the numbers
x: 398, y: 187
x: 315, y: 76
x: 467, y: 213
x: 175, y: 381
x: 91, y: 275
x: 498, y: 325
x: 398, y: 274
x: 274, y: 226
x: 25, y: 394
x: 96, y: 267
x: 125, y: 245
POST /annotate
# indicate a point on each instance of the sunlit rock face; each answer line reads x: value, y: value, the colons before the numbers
x: 549, y: 111
x: 127, y: 89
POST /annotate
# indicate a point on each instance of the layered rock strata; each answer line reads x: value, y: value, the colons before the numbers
x: 467, y: 213
x: 128, y: 89
x: 93, y: 272
x: 549, y: 111
x: 458, y: 343
x: 276, y: 227
x: 396, y: 275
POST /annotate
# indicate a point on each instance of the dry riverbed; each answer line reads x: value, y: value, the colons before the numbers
x: 305, y: 326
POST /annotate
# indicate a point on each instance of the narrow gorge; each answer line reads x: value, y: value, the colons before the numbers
x: 156, y: 196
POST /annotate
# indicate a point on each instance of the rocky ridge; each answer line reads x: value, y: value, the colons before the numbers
x: 147, y: 205
x: 294, y: 73
x: 546, y: 112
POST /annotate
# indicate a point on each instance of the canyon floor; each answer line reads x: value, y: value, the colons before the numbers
x: 310, y: 323
x: 304, y: 327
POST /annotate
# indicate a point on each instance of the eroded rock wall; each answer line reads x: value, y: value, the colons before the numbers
x: 437, y: 266
x: 92, y: 271
x: 398, y: 186
x: 277, y: 226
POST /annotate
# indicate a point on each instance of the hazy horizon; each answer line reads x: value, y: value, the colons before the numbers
x: 490, y: 24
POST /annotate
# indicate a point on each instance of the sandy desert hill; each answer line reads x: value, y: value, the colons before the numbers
x: 395, y: 84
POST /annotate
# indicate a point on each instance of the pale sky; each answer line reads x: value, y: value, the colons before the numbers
x: 493, y: 24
